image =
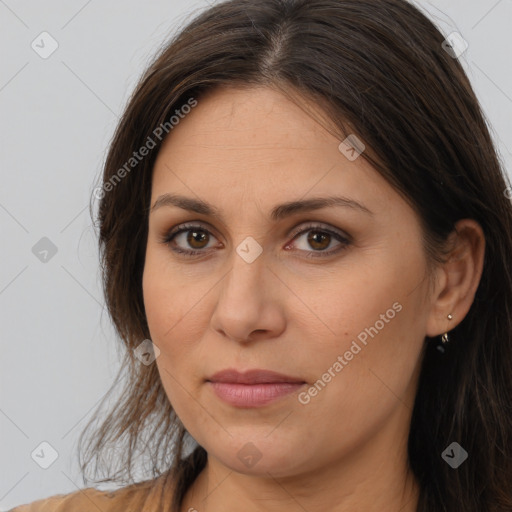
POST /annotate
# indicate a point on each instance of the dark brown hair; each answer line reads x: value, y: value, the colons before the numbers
x: 378, y: 70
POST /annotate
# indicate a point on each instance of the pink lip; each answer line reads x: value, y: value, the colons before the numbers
x: 253, y: 395
x: 252, y: 388
x: 255, y: 376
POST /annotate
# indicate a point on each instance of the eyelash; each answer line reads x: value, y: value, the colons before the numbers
x: 184, y: 228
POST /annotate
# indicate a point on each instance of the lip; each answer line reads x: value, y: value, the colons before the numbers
x: 253, y: 395
x: 252, y: 388
x: 255, y: 376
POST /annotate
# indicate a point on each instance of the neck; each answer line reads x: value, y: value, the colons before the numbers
x: 355, y: 483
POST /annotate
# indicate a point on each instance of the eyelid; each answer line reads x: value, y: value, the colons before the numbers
x: 186, y: 226
x: 343, y: 238
x: 321, y: 226
x: 292, y: 233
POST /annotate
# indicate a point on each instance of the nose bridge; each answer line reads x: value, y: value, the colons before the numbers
x: 248, y: 259
x: 248, y: 235
x: 247, y: 266
x: 243, y: 300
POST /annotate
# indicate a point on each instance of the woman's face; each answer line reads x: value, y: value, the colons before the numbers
x: 336, y: 297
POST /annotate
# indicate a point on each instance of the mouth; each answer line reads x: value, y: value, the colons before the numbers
x: 253, y: 388
x: 256, y: 376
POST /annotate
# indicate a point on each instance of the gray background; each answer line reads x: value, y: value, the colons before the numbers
x: 59, y: 353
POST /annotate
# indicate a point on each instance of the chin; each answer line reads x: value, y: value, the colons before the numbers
x: 259, y: 456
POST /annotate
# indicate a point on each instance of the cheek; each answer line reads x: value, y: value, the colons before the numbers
x: 358, y: 384
x: 169, y: 298
x: 374, y: 320
x: 358, y: 305
x: 177, y: 319
x: 167, y: 321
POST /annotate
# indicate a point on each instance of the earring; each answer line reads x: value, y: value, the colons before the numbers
x: 444, y: 337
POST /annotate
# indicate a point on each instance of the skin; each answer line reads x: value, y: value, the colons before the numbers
x: 245, y: 151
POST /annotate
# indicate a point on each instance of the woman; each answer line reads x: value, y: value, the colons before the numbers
x: 365, y: 366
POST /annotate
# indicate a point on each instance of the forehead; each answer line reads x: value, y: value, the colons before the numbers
x: 256, y: 144
x: 256, y: 122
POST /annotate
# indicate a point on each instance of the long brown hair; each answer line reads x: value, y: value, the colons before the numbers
x: 379, y: 70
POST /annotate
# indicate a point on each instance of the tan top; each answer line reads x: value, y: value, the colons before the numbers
x: 132, y: 498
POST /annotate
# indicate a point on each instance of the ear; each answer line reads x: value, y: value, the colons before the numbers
x: 457, y: 280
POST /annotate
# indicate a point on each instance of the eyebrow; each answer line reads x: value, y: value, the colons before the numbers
x: 278, y: 212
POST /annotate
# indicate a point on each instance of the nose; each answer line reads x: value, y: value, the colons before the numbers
x: 248, y: 304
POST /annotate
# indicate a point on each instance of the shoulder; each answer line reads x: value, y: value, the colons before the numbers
x: 82, y: 500
x: 127, y: 499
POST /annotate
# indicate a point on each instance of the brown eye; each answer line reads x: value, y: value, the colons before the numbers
x: 317, y: 240
x: 188, y: 239
x: 196, y: 238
